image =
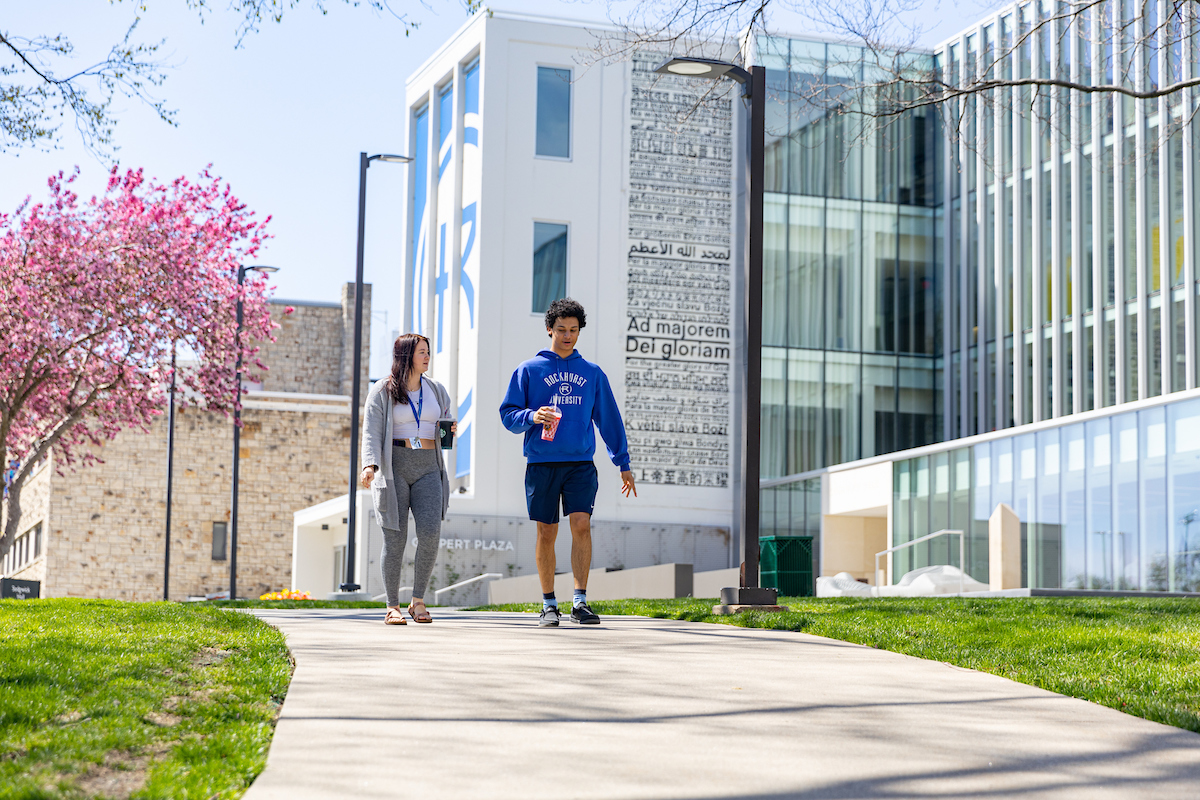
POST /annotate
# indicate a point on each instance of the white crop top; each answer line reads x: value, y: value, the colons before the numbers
x: 404, y: 423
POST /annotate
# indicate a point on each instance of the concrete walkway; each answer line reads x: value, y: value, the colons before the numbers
x: 489, y: 706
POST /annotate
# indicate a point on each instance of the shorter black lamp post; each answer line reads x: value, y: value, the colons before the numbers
x: 364, y: 161
x: 170, y: 478
x: 237, y: 432
x: 754, y: 89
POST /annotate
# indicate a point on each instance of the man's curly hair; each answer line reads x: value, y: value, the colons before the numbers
x: 566, y: 307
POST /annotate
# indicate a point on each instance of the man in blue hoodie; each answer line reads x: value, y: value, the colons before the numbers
x: 561, y: 470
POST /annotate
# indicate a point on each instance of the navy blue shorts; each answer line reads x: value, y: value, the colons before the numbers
x: 575, y: 482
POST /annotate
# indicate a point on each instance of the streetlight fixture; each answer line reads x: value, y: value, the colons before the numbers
x: 754, y: 89
x: 364, y: 161
x: 237, y: 430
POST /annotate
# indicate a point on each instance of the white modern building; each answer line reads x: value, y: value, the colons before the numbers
x: 538, y: 175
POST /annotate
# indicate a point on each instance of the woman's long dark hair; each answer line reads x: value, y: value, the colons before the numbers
x: 403, y: 352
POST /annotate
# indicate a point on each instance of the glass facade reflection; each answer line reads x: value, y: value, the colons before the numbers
x: 850, y: 317
x: 553, y: 112
x: 1105, y: 504
x: 549, y: 264
x: 792, y: 510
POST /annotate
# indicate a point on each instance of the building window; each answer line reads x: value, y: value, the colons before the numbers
x: 549, y: 264
x: 554, y: 112
x: 219, y: 531
x: 420, y: 220
x: 445, y: 116
x: 25, y: 548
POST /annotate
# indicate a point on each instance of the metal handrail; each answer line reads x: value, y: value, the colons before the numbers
x: 464, y: 583
x: 962, y: 562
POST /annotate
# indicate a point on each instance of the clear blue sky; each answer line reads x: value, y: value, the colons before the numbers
x: 283, y: 119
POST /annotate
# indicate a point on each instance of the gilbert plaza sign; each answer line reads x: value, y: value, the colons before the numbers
x: 470, y: 544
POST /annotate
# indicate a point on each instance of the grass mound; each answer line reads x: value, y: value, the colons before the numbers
x: 135, y: 700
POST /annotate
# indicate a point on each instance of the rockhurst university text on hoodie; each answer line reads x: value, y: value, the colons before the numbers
x: 581, y: 391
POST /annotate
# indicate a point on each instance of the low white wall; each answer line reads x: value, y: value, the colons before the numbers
x: 710, y: 584
x: 659, y: 582
x: 528, y: 588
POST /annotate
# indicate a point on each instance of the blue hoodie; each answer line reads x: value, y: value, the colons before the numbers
x: 581, y: 390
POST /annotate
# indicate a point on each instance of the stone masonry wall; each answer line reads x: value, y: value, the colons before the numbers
x: 348, y: 340
x: 106, y: 533
x: 105, y: 523
x: 306, y: 355
x: 313, y: 348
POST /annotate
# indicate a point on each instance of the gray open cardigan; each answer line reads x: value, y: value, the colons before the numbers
x: 377, y: 449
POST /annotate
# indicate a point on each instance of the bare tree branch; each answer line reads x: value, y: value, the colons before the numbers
x: 35, y: 94
x: 41, y: 84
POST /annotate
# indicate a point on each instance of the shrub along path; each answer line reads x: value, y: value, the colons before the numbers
x: 485, y: 704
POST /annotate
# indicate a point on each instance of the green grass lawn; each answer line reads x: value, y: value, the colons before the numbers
x: 1141, y: 656
x: 144, y: 700
x: 163, y: 700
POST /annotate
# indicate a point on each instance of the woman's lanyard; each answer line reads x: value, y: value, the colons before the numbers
x: 415, y: 441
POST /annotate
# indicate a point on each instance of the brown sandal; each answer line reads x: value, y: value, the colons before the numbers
x: 394, y: 617
x: 419, y: 616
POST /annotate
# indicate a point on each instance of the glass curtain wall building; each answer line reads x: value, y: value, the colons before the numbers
x: 1071, y: 216
x: 851, y: 310
x: 1044, y: 250
x: 851, y: 317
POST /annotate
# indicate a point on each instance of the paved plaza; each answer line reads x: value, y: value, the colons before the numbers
x: 486, y: 705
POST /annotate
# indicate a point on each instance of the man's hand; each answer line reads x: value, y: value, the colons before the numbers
x: 368, y: 474
x: 627, y: 483
x: 544, y: 414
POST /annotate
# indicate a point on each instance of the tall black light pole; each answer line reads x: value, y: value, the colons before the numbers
x: 170, y: 476
x: 364, y: 161
x: 237, y: 432
x: 754, y: 89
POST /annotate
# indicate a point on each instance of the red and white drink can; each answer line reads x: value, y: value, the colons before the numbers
x: 550, y: 428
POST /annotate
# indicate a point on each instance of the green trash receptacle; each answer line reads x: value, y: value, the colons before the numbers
x: 785, y: 563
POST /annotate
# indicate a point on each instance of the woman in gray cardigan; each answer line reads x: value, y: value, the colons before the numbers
x: 404, y: 468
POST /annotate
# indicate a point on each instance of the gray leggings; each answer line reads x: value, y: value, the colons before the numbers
x: 418, y: 483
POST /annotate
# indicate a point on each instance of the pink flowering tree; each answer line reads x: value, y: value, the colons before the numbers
x: 96, y: 296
